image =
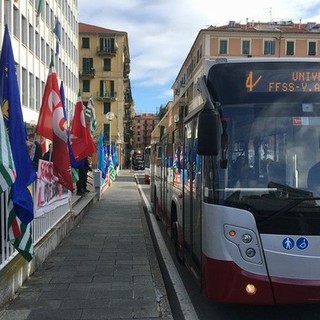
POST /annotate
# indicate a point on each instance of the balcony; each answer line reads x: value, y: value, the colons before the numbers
x: 109, y: 52
x: 88, y: 73
x: 126, y: 68
x: 106, y: 96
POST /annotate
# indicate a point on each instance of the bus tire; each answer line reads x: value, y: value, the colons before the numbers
x: 174, y: 237
x: 156, y: 206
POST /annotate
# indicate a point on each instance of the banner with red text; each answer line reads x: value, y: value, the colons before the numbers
x: 50, y: 194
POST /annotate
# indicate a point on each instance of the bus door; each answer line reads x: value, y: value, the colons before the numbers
x: 192, y: 197
x: 163, y: 183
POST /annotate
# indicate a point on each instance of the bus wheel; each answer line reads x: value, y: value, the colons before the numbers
x: 156, y: 207
x: 174, y: 237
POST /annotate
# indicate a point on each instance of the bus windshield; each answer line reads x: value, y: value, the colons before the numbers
x: 273, y: 165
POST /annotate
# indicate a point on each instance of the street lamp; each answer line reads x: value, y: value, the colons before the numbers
x: 110, y: 117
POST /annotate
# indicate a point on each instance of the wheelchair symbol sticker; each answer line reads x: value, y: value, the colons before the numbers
x: 302, y: 243
x: 288, y: 243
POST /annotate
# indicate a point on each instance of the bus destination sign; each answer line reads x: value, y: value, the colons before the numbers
x: 282, y: 80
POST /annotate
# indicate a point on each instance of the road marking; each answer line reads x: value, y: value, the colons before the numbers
x: 184, y: 300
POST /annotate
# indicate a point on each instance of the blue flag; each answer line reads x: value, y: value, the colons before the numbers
x: 101, y: 155
x: 57, y: 32
x: 115, y: 155
x: 12, y: 113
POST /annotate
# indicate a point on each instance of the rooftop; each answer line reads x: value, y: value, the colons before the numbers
x: 88, y: 28
x: 282, y: 25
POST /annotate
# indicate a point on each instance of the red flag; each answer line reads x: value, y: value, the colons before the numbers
x: 81, y: 141
x: 53, y: 126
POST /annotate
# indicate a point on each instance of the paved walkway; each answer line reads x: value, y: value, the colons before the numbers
x: 104, y: 269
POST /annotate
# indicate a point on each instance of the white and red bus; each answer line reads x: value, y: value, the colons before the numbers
x: 236, y: 181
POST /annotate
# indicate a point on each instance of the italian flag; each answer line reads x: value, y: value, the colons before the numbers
x: 7, y: 168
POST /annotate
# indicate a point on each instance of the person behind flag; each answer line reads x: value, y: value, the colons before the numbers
x: 83, y: 178
x: 35, y: 150
x: 48, y: 155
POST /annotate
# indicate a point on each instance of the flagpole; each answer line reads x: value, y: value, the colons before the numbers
x: 110, y: 116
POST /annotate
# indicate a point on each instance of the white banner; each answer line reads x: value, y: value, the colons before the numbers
x: 49, y: 193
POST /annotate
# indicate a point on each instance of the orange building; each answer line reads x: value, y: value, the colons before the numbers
x: 235, y: 40
x: 142, y: 126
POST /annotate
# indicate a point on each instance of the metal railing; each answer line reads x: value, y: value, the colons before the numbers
x: 40, y: 227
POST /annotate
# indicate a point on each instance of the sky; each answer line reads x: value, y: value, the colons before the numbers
x: 162, y: 32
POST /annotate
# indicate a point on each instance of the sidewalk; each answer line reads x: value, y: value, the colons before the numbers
x: 104, y: 269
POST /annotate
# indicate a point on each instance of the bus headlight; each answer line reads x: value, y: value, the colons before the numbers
x: 251, y: 289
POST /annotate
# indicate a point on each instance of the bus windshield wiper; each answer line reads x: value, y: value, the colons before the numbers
x: 284, y: 210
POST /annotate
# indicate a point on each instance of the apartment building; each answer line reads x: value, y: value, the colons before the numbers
x: 104, y: 63
x: 40, y: 30
x: 235, y: 40
x: 142, y: 126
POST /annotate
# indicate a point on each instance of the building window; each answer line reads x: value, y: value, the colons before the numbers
x: 31, y: 91
x: 269, y: 47
x: 107, y: 88
x: 106, y: 131
x: 24, y: 87
x: 223, y: 47
x: 246, y: 47
x: 86, y: 86
x: 87, y: 64
x: 85, y: 43
x: 38, y: 94
x: 107, y: 64
x: 290, y: 48
x: 107, y: 45
x: 47, y: 14
x: 16, y: 22
x: 37, y: 43
x: 48, y: 56
x: 24, y: 30
x: 43, y: 50
x: 106, y: 107
x: 31, y: 37
x: 312, y: 45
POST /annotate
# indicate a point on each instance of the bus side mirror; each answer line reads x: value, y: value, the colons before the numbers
x: 208, y: 131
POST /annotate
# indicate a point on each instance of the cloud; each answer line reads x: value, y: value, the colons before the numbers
x: 161, y: 32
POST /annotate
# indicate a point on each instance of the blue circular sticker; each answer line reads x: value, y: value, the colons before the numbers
x: 288, y: 243
x: 302, y: 243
